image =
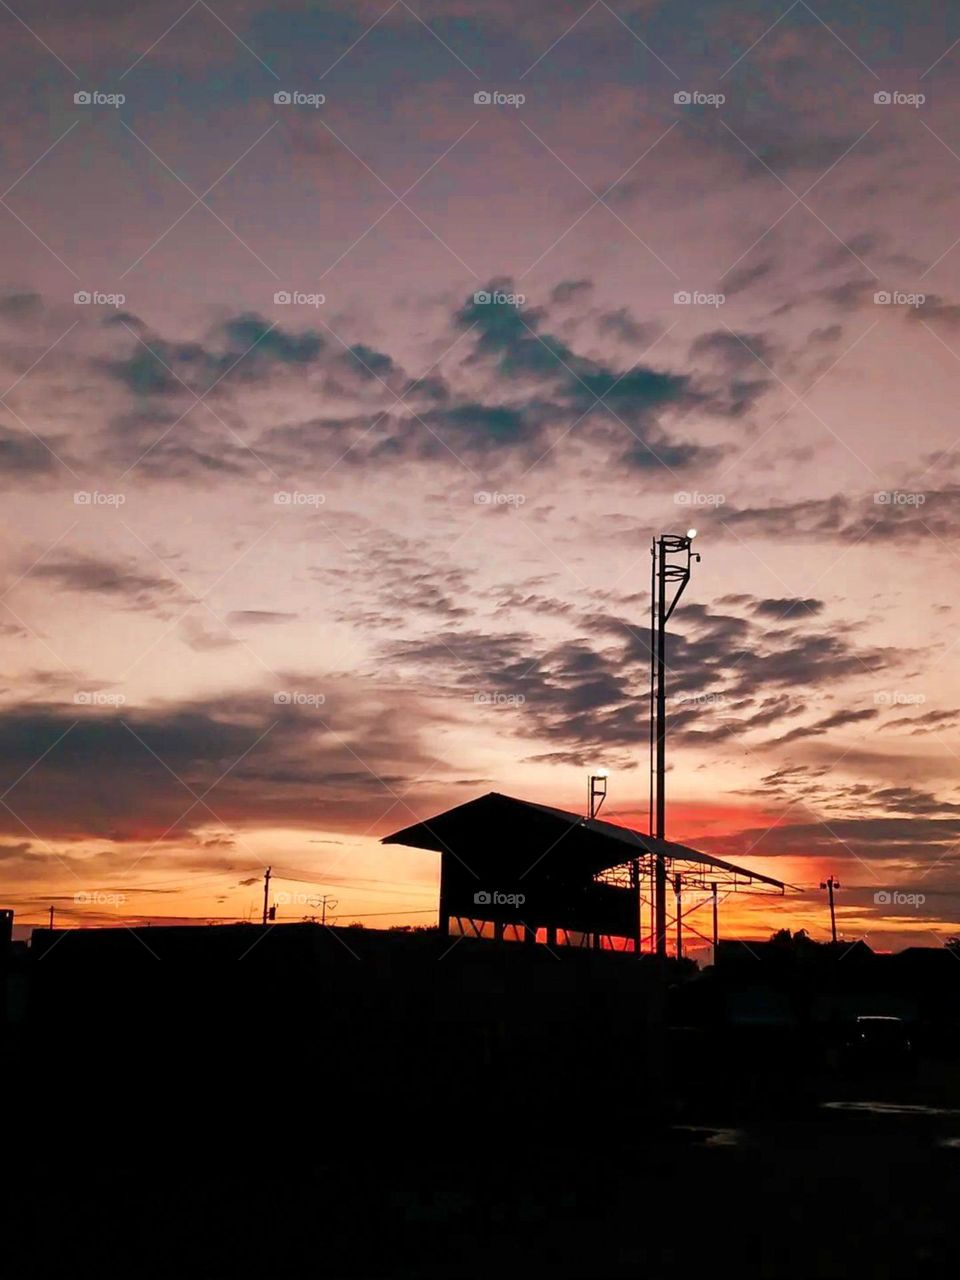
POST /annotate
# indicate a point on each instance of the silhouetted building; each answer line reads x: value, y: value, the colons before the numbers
x: 549, y: 875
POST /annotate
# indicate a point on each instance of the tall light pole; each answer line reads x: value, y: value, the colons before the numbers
x: 672, y: 557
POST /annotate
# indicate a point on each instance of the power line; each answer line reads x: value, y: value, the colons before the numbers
x: 309, y: 878
x: 359, y: 915
x: 345, y: 884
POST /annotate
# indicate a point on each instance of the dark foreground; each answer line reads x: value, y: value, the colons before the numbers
x: 813, y: 1193
x: 493, y: 1126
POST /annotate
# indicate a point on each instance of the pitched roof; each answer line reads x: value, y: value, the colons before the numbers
x: 596, y: 844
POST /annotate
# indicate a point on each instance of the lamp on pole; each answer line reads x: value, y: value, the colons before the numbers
x: 672, y: 557
x: 596, y: 792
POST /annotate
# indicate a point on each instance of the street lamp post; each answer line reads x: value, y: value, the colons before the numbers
x: 672, y: 556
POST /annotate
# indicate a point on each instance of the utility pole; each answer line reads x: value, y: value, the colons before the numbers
x: 716, y: 921
x: 324, y: 903
x: 830, y: 884
x: 266, y: 893
x: 674, y: 570
x: 51, y: 915
x: 678, y: 890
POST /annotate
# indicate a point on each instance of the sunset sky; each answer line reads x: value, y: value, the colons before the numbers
x: 305, y: 543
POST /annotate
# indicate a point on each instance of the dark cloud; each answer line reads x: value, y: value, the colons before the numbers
x: 512, y: 391
x: 246, y: 346
x: 122, y: 581
x: 935, y: 308
x: 21, y: 306
x: 735, y: 350
x: 839, y: 720
x: 741, y: 278
x: 513, y: 344
x: 889, y: 515
x: 778, y: 609
x: 839, y: 255
x: 135, y: 774
x: 620, y: 324
x: 23, y: 455
x: 851, y: 295
x: 912, y: 841
x: 729, y: 677
x: 929, y: 722
x: 568, y: 291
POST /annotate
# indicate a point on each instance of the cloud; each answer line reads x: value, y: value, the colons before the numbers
x: 734, y: 350
x: 915, y: 842
x: 740, y: 279
x: 620, y: 324
x: 839, y: 720
x: 518, y: 388
x: 119, y: 580
x: 892, y: 515
x: 730, y: 676
x: 935, y: 308
x: 202, y: 638
x: 23, y: 455
x: 334, y: 765
x: 246, y: 344
x: 21, y: 306
x: 779, y: 608
x: 258, y: 617
x: 569, y: 291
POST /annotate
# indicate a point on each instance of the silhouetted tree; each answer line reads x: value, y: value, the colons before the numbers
x: 800, y: 941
